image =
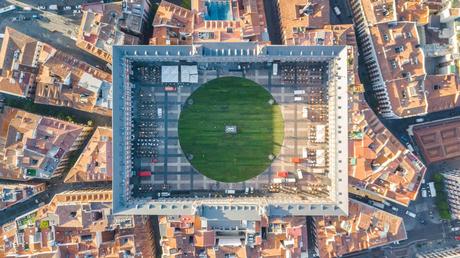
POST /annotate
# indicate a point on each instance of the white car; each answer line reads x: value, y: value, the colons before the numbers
x: 337, y: 11
x: 411, y: 214
x: 455, y: 229
x: 394, y: 208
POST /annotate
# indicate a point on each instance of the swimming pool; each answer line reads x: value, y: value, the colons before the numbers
x: 218, y: 10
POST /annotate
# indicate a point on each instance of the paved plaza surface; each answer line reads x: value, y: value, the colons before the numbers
x: 173, y: 171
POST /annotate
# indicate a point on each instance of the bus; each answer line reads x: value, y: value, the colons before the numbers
x: 275, y: 69
x: 7, y: 8
x: 432, y: 189
x: 378, y: 204
x: 230, y: 191
x: 411, y: 214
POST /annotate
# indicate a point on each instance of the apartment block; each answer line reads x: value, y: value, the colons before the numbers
x: 99, y: 30
x: 396, y: 55
x: 300, y: 20
x: 14, y: 193
x: 365, y: 227
x: 95, y: 162
x: 19, y: 63
x: 452, y: 187
x: 379, y: 164
x: 67, y: 81
x: 78, y: 224
x: 258, y: 236
x: 136, y: 14
x: 210, y: 21
x: 36, y: 70
x: 34, y: 146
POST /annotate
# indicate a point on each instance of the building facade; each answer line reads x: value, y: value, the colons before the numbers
x: 452, y: 187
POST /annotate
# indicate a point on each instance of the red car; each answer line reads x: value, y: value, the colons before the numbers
x: 295, y: 160
x: 144, y: 173
x: 283, y: 174
x: 170, y: 88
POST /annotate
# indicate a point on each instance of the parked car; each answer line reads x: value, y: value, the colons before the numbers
x: 411, y: 214
x: 337, y: 11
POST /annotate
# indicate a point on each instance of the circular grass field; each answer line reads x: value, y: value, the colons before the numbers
x: 225, y: 156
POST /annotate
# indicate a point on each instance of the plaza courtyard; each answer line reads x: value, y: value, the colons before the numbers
x: 230, y: 129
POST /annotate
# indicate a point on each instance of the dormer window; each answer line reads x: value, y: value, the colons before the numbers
x: 399, y: 49
x: 394, y: 65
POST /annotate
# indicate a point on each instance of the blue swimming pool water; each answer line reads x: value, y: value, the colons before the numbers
x: 218, y: 10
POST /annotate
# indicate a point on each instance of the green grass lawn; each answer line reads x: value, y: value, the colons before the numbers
x: 231, y: 101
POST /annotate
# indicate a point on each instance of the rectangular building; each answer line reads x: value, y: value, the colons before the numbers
x: 395, y: 57
x: 210, y: 21
x: 261, y: 236
x: 365, y: 227
x: 33, y: 146
x: 95, y: 162
x: 78, y: 224
x: 99, y: 30
x: 451, y: 183
x: 437, y: 140
x: 323, y: 190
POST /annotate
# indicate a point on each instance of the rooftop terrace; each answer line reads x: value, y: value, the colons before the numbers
x: 230, y: 21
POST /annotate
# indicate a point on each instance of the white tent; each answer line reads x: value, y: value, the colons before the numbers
x: 170, y: 73
x: 189, y: 73
x: 320, y: 133
x: 320, y: 158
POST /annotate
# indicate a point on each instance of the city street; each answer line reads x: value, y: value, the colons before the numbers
x: 345, y: 16
x: 273, y: 23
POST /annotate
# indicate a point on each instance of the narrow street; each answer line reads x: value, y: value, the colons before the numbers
x: 11, y: 213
